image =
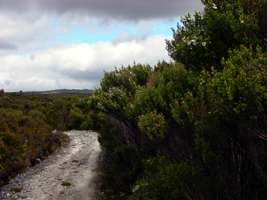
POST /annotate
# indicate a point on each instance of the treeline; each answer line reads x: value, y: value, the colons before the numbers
x: 195, y: 128
x: 27, y: 124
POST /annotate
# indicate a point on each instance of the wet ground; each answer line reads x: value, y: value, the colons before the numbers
x: 68, y: 174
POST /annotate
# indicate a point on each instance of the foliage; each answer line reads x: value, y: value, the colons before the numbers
x: 166, y: 180
x: 204, y: 39
x: 152, y: 125
x: 26, y: 124
x: 126, y: 79
x: 195, y: 130
x: 211, y: 125
x: 76, y: 117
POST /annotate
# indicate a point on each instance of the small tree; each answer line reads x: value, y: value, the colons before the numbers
x: 204, y: 39
x: 2, y: 92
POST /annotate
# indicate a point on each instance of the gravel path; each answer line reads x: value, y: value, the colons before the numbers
x: 66, y: 175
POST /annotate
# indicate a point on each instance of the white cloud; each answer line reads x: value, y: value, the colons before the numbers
x: 32, y: 31
x: 35, y: 37
x: 75, y: 66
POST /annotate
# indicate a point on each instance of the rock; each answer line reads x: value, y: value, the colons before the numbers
x: 66, y: 184
x: 23, y: 197
x: 16, y: 189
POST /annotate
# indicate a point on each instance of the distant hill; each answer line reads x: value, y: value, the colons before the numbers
x: 61, y: 92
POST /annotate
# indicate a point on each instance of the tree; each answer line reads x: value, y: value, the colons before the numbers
x: 204, y: 39
x: 2, y: 92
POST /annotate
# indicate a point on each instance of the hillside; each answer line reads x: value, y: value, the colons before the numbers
x: 27, y: 123
x: 61, y: 92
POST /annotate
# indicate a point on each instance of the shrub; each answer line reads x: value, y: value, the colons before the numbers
x: 153, y: 125
x: 203, y: 40
x: 166, y: 180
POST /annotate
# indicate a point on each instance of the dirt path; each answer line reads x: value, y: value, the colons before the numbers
x: 66, y: 175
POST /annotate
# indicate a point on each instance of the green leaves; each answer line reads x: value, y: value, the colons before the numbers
x: 153, y: 125
x: 165, y: 180
x: 207, y: 115
x: 126, y: 79
x: 204, y: 39
x: 26, y: 124
x: 113, y: 101
x: 241, y: 87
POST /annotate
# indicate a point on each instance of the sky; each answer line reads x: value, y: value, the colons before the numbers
x: 56, y: 44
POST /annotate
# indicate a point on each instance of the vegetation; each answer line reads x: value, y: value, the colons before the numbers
x: 66, y: 184
x: 26, y: 125
x: 194, y: 128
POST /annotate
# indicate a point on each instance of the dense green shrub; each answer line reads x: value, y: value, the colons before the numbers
x: 213, y: 117
x: 147, y: 100
x: 76, y: 118
x: 126, y: 79
x: 23, y: 139
x: 203, y: 40
x: 195, y: 130
x: 26, y: 124
x: 153, y: 126
x: 166, y: 180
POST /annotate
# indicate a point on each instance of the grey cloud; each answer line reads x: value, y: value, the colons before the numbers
x: 121, y: 9
x: 7, y: 82
x: 124, y: 37
x: 7, y: 46
x: 86, y: 75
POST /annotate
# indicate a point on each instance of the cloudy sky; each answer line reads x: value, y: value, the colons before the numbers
x: 54, y: 44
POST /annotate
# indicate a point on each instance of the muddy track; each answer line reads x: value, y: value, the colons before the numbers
x: 68, y: 174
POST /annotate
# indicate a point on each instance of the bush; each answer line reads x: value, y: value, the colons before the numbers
x: 203, y: 40
x: 76, y: 118
x: 206, y: 116
x: 126, y: 79
x: 153, y: 125
x: 26, y: 124
x: 166, y: 180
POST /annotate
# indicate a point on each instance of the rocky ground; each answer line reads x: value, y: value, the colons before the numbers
x: 68, y: 174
